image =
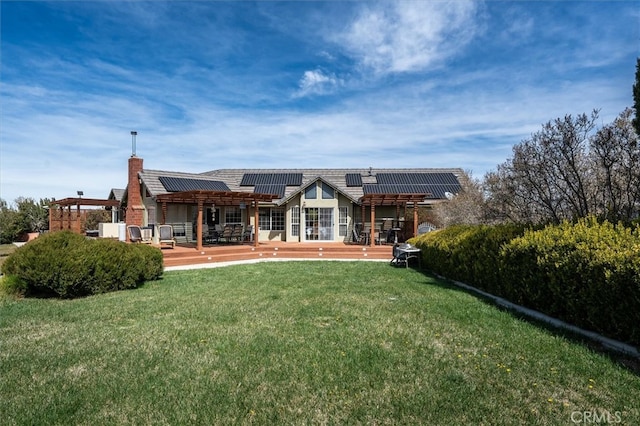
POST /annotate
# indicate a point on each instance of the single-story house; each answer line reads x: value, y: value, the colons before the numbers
x: 301, y: 205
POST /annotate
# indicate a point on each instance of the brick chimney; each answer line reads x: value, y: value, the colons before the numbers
x: 135, y: 209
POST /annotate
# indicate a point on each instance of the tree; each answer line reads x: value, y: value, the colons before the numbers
x: 616, y: 155
x: 35, y: 216
x: 10, y: 227
x: 548, y: 177
x: 636, y: 98
x: 29, y: 216
x: 465, y: 207
x: 569, y: 170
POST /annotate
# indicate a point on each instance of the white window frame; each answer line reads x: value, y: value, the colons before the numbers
x: 343, y: 220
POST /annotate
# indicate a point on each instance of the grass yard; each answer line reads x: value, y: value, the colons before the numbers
x: 297, y: 343
x: 6, y: 250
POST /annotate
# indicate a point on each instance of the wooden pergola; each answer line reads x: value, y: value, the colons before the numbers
x: 68, y: 202
x: 398, y: 200
x: 219, y: 198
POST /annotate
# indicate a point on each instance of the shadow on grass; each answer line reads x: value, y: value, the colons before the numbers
x: 627, y: 361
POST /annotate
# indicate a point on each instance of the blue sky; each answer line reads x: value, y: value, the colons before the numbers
x: 300, y: 84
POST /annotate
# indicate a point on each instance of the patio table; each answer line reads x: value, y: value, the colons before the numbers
x: 402, y: 253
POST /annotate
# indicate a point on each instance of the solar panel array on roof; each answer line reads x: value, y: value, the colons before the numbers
x: 275, y: 189
x: 353, y: 179
x: 287, y: 179
x: 430, y: 191
x: 175, y: 184
x: 436, y: 178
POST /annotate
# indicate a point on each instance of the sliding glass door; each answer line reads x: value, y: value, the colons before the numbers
x: 318, y: 224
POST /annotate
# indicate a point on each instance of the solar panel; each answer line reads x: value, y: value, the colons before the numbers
x: 275, y: 189
x: 435, y: 178
x: 174, y: 184
x: 287, y: 179
x: 353, y: 179
x: 435, y: 191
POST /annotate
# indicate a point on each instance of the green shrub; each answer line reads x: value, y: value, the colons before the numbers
x: 468, y: 253
x: 65, y: 264
x: 586, y: 273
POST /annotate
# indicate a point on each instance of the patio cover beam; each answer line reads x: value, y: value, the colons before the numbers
x: 392, y: 199
x: 84, y: 202
x: 68, y: 202
x: 373, y: 200
x: 219, y: 198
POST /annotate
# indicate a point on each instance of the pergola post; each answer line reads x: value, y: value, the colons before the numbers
x: 256, y: 217
x: 415, y: 219
x: 199, y: 226
x: 69, y: 217
x: 164, y: 213
x: 372, y: 240
x: 362, y: 214
x: 78, y: 218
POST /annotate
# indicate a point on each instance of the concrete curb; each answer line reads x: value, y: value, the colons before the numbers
x: 266, y: 259
x: 606, y: 342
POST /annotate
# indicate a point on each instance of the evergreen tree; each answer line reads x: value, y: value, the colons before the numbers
x: 636, y: 98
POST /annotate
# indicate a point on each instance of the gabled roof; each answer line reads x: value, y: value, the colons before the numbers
x: 287, y: 183
x: 116, y: 194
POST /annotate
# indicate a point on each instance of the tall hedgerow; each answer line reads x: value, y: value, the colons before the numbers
x: 587, y: 273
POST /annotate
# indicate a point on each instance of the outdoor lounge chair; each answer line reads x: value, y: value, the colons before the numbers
x: 136, y: 236
x: 247, y: 235
x: 227, y: 233
x: 166, y: 235
x: 237, y: 232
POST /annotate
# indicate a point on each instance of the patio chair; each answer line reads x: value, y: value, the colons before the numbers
x: 227, y: 233
x: 237, y: 232
x: 247, y: 235
x: 166, y: 235
x: 136, y: 236
x: 382, y: 238
x: 212, y: 235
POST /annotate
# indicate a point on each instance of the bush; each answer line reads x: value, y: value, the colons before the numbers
x: 586, y: 273
x: 468, y: 253
x: 65, y: 264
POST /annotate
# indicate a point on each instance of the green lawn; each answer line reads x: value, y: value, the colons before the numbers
x: 297, y: 343
x: 6, y: 250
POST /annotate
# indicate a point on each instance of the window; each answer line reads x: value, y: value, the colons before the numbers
x: 295, y: 221
x: 311, y: 192
x: 271, y: 219
x: 342, y: 221
x: 277, y: 219
x: 327, y: 192
x: 232, y: 215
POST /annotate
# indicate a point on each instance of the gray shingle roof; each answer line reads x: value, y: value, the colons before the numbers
x: 335, y: 177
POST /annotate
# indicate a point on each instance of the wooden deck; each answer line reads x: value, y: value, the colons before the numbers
x: 186, y: 254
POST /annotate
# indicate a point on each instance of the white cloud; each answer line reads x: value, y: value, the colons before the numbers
x: 407, y: 36
x: 316, y: 82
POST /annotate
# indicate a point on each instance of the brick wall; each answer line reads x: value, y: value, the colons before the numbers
x: 135, y: 208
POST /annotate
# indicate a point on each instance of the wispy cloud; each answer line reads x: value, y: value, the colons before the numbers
x: 300, y: 84
x: 317, y: 82
x: 408, y: 36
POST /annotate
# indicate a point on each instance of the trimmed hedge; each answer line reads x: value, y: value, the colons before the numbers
x: 585, y: 273
x: 67, y: 265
